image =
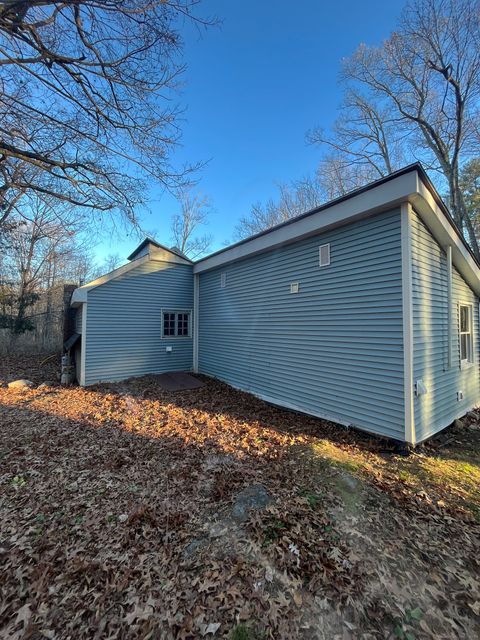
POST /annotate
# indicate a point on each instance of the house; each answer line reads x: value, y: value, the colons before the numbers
x: 364, y: 311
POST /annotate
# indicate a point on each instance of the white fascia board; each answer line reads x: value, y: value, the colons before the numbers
x: 79, y: 296
x: 164, y: 255
x: 445, y: 234
x: 380, y: 198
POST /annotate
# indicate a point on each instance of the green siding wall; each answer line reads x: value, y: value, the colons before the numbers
x: 335, y: 349
x: 439, y: 407
x: 124, y: 336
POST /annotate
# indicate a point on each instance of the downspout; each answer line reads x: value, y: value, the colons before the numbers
x: 195, y: 321
x: 449, y: 307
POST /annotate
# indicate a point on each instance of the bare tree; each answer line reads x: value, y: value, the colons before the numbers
x: 426, y: 78
x: 43, y: 251
x: 294, y: 199
x: 194, y: 212
x: 86, y: 100
x: 111, y: 262
x: 365, y: 139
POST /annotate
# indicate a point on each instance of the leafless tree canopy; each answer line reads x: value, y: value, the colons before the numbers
x: 86, y: 110
x: 193, y: 214
x: 293, y: 199
x: 415, y: 97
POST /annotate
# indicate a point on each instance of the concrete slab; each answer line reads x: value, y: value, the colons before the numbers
x: 178, y: 381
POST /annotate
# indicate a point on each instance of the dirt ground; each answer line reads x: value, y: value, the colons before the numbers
x: 124, y: 514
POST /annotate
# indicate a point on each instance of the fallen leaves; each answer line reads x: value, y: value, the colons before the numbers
x: 117, y: 520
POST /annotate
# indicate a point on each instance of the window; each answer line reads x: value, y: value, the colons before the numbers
x: 466, y: 343
x: 324, y: 255
x: 294, y: 287
x: 176, y: 324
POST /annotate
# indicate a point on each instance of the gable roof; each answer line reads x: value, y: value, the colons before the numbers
x: 160, y: 254
x: 150, y: 241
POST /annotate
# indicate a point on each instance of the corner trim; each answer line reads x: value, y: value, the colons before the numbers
x: 83, y: 347
x: 407, y: 308
x: 196, y: 298
x: 449, y: 303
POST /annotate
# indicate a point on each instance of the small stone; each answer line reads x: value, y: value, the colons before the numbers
x: 194, y: 546
x: 254, y: 497
x: 217, y: 530
x: 20, y: 384
x: 123, y: 517
x: 458, y: 424
x: 46, y: 384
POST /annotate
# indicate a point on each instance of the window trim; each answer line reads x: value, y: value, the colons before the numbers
x: 176, y: 312
x: 470, y: 360
x: 328, y: 262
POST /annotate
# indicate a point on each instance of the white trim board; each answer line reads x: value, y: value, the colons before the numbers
x: 196, y: 299
x: 80, y: 294
x: 407, y: 314
x: 83, y: 346
x: 444, y: 233
x: 383, y: 197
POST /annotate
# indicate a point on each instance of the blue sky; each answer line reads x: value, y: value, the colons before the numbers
x: 253, y: 87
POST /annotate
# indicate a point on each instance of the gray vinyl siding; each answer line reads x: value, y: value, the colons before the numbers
x: 78, y: 319
x: 124, y: 323
x: 439, y: 407
x: 335, y: 349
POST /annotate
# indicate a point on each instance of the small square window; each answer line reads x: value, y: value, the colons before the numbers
x: 176, y: 324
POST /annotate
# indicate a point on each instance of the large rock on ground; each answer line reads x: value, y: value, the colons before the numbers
x: 254, y: 497
x: 20, y: 384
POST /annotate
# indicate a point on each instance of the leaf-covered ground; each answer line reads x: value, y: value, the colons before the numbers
x: 117, y: 520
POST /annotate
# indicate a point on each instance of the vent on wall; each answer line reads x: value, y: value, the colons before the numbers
x: 223, y: 280
x: 294, y: 286
x: 324, y: 255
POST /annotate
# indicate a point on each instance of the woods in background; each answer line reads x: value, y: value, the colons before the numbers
x: 415, y: 98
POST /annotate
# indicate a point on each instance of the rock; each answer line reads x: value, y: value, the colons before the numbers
x: 194, y: 546
x: 458, y: 424
x: 217, y: 530
x: 20, y: 384
x: 254, y: 497
x: 46, y: 384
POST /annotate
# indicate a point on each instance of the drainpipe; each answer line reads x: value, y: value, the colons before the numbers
x: 449, y: 303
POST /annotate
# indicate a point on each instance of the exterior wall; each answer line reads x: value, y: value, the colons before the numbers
x: 78, y: 319
x: 439, y: 407
x: 124, y: 323
x: 335, y: 349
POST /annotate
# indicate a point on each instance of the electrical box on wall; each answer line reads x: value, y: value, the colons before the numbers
x: 294, y: 287
x: 420, y: 388
x: 168, y: 349
x: 459, y: 396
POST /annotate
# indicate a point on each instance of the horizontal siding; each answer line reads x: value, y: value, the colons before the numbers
x: 334, y: 349
x: 78, y: 319
x: 124, y: 323
x: 439, y: 407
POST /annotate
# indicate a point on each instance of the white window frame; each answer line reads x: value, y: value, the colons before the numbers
x: 323, y: 246
x: 176, y: 312
x: 469, y: 360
